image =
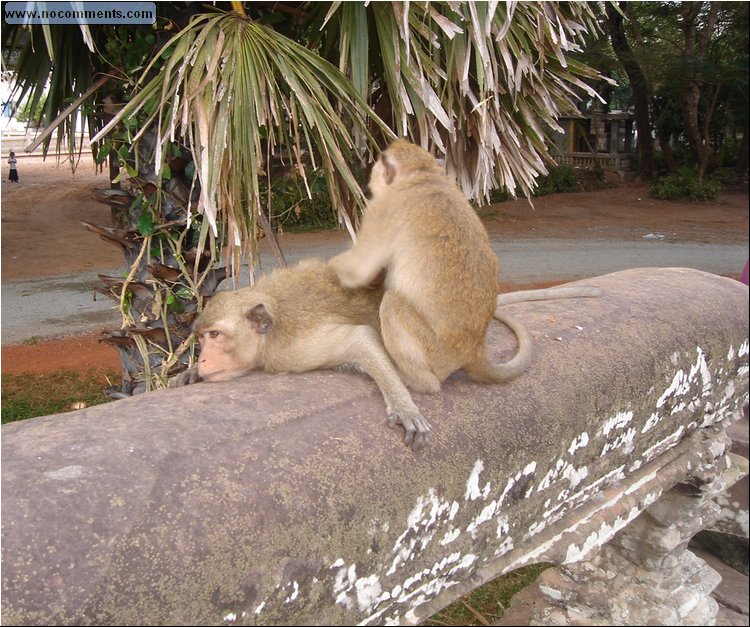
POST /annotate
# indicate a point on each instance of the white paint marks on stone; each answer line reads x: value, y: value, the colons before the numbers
x: 653, y: 420
x: 472, y: 484
x: 563, y: 470
x: 663, y: 445
x: 369, y: 592
x: 701, y: 367
x: 580, y: 442
x: 679, y: 386
x: 682, y: 383
x: 624, y: 440
x: 487, y: 513
x: 535, y: 528
x: 529, y: 470
x: 450, y: 536
x: 620, y: 420
x: 67, y: 473
x: 744, y: 349
x: 421, y: 527
x: 606, y: 531
x: 294, y: 594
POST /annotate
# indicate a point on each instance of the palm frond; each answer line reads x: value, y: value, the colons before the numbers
x: 481, y: 82
x: 237, y: 92
x: 55, y: 67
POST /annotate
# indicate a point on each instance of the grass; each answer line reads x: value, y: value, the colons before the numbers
x: 28, y: 395
x: 486, y: 605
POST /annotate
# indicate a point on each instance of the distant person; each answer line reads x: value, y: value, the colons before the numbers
x: 13, y: 174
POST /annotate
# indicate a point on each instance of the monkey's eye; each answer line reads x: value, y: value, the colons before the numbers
x: 213, y: 334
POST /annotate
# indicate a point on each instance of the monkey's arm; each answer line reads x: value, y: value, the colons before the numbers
x: 359, y: 268
x: 360, y: 346
x: 368, y: 259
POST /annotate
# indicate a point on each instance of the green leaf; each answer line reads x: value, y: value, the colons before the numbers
x: 145, y: 223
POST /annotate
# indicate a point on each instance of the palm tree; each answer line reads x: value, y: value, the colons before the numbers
x: 228, y: 96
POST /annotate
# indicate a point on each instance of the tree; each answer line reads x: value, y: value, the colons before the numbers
x: 231, y: 92
x: 697, y: 38
x: 639, y: 85
x: 691, y: 60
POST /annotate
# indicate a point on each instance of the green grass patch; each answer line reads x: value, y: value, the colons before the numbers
x: 486, y: 605
x: 28, y: 395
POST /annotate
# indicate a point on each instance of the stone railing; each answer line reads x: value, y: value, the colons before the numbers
x: 614, y: 161
x: 286, y: 500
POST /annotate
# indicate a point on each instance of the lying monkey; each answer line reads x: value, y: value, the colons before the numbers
x: 441, y: 291
x: 300, y: 319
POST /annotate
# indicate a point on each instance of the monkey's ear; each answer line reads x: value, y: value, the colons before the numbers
x: 389, y: 169
x: 260, y: 319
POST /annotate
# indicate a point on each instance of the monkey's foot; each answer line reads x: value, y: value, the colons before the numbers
x: 416, y: 427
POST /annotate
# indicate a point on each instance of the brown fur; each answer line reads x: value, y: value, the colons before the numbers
x: 441, y: 272
x: 429, y: 255
x: 441, y: 287
x: 296, y: 320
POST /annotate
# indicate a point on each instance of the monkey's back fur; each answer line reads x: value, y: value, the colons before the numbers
x: 302, y: 301
x: 309, y: 294
x: 434, y: 226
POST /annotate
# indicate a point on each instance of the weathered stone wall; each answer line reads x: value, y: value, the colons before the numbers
x: 286, y: 499
x: 645, y: 575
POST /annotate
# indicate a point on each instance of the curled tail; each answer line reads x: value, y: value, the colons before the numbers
x: 482, y: 370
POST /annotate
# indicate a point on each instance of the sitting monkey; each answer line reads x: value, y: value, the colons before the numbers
x: 441, y: 289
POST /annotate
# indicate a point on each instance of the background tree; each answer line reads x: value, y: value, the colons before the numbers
x: 638, y: 84
x: 697, y: 38
x: 689, y: 60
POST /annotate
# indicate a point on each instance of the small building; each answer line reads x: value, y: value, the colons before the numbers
x: 597, y: 140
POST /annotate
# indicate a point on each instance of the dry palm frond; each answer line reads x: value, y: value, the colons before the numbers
x: 237, y: 91
x: 481, y: 82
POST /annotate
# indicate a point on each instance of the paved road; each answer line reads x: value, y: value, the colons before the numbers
x: 65, y: 304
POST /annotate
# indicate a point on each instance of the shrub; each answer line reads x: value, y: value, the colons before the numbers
x: 295, y: 211
x: 561, y: 179
x: 685, y: 184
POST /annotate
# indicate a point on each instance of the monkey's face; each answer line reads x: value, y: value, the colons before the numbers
x: 230, y: 340
x: 225, y: 354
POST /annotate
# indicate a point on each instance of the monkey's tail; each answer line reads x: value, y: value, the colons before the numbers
x: 483, y: 371
x: 549, y: 293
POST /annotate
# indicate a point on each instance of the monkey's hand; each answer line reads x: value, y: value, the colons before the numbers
x: 353, y: 273
x: 187, y: 377
x: 416, y: 427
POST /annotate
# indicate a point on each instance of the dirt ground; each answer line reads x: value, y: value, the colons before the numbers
x: 42, y: 236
